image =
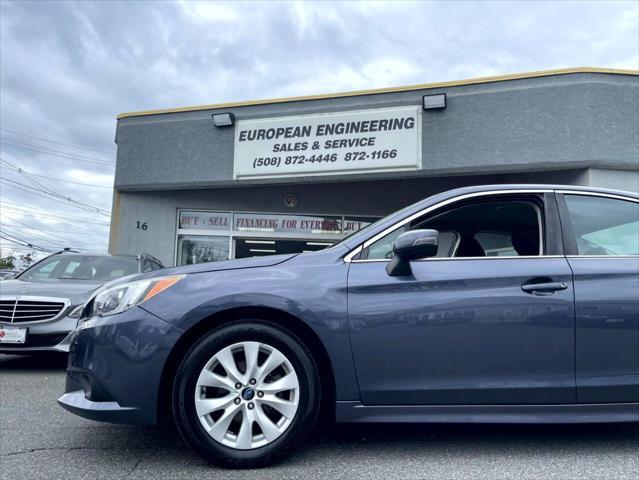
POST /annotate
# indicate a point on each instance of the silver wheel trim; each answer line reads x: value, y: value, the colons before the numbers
x: 226, y: 407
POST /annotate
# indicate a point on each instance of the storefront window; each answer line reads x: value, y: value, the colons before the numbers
x: 202, y: 248
x: 207, y: 236
x: 253, y: 247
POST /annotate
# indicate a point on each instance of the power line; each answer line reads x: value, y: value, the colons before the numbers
x: 32, y: 212
x: 28, y: 245
x: 28, y: 211
x: 60, y: 243
x: 33, y: 235
x: 56, y: 142
x: 52, y: 150
x: 57, y: 153
x: 32, y: 188
x: 15, y: 248
x: 10, y: 238
x: 48, y: 191
x: 59, y: 179
x: 70, y: 181
x: 15, y: 168
x: 52, y: 232
x: 47, y: 196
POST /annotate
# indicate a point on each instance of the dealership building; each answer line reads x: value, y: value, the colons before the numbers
x: 240, y: 179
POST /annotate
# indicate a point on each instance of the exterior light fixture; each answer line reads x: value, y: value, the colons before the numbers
x: 435, y: 102
x: 223, y: 119
x: 290, y: 200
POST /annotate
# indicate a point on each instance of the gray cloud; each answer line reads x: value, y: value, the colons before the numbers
x: 67, y: 68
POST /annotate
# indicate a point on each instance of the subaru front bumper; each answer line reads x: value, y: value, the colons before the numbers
x: 115, y: 367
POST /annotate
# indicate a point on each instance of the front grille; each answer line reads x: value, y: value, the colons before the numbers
x: 44, y: 339
x: 19, y: 311
x: 38, y: 340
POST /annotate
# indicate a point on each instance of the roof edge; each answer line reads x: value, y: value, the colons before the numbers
x: 406, y: 88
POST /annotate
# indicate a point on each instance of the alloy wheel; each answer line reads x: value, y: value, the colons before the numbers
x: 247, y: 395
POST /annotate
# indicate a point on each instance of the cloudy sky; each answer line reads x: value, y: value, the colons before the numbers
x: 67, y: 69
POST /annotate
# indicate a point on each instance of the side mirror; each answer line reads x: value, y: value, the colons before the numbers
x: 411, y: 245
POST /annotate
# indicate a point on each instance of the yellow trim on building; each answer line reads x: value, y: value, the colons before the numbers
x: 114, y: 230
x: 407, y: 88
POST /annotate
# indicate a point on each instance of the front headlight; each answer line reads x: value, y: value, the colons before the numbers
x: 76, y: 312
x: 121, y: 297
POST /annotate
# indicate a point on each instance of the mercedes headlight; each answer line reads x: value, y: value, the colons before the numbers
x: 118, y: 298
x: 76, y: 311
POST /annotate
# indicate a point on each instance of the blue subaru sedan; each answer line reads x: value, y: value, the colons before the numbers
x: 508, y: 303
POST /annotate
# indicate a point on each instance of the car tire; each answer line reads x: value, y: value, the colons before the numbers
x: 223, y: 352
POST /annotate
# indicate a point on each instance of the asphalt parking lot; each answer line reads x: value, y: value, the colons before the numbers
x: 40, y: 440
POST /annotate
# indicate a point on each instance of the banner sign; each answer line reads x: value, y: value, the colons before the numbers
x: 382, y: 139
x: 204, y: 220
x: 255, y: 222
x: 275, y: 223
x: 353, y: 225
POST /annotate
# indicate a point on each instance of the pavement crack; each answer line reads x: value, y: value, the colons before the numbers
x: 67, y: 449
x: 32, y: 450
x: 139, y: 461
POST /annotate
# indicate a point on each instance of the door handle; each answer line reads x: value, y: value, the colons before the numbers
x: 544, y: 288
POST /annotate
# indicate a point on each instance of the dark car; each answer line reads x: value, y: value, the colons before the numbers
x: 501, y: 303
x: 40, y: 307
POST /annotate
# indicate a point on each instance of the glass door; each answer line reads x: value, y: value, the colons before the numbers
x: 202, y: 248
x: 256, y: 247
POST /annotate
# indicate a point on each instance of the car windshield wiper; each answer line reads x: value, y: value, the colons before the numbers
x: 72, y: 278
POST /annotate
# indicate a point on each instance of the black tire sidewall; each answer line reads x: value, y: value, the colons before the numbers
x: 187, y: 374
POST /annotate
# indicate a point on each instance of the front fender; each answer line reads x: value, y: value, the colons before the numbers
x: 314, y: 294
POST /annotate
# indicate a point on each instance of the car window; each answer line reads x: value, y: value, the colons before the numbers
x: 604, y: 226
x: 383, y: 248
x: 99, y: 268
x: 41, y: 271
x: 479, y: 229
x: 150, y: 265
x: 496, y: 244
x: 71, y: 267
x: 448, y: 242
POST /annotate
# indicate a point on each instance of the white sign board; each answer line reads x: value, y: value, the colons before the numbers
x: 383, y: 139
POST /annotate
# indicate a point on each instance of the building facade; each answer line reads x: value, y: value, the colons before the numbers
x: 242, y: 179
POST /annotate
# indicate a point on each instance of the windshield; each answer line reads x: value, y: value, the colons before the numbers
x: 96, y: 268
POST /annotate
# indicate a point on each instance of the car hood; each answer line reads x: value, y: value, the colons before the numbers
x: 252, y: 262
x: 77, y: 292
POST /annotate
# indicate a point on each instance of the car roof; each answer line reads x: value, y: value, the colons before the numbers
x: 531, y: 186
x: 141, y: 256
x: 94, y: 254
